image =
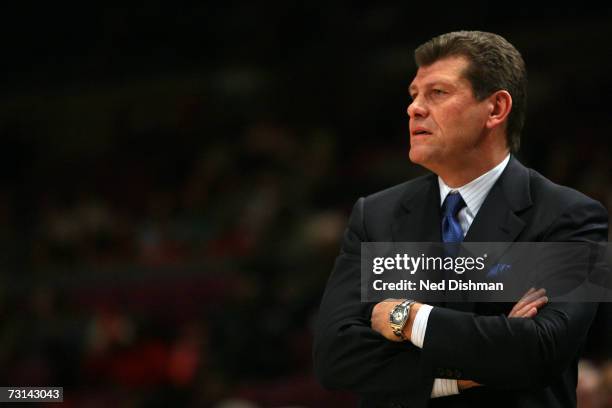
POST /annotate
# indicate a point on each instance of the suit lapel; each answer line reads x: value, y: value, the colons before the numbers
x: 497, y: 220
x: 418, y: 218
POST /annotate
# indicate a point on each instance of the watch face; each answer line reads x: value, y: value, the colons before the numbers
x: 398, y: 316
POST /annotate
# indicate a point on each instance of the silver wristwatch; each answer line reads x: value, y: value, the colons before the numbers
x: 399, y: 316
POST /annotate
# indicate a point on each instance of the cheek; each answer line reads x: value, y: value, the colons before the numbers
x: 450, y: 122
x: 460, y: 121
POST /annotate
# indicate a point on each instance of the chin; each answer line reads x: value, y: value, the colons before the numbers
x: 424, y: 156
x: 417, y: 155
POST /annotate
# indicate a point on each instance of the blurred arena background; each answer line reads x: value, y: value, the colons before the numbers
x: 175, y: 182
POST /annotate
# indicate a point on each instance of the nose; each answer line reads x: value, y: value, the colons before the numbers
x: 416, y: 109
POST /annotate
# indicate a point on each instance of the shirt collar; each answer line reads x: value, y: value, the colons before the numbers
x: 475, y: 192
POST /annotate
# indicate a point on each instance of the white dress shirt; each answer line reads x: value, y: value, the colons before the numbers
x: 474, y: 194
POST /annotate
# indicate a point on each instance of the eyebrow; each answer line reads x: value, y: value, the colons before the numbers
x: 431, y: 84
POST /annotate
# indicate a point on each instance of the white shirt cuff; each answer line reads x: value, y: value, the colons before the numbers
x: 443, y: 387
x: 419, y: 326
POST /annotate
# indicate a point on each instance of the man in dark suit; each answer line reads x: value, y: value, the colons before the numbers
x: 466, y: 115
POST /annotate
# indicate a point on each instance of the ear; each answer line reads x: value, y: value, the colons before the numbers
x: 500, y: 104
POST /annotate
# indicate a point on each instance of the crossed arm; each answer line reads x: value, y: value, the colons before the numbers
x: 502, y: 351
x: 526, y: 307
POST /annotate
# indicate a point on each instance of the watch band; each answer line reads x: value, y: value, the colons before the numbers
x: 398, y: 329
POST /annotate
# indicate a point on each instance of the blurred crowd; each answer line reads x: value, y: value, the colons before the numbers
x: 172, y: 276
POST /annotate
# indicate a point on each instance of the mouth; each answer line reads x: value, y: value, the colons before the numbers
x: 421, y: 132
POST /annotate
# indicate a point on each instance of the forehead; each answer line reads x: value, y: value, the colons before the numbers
x: 447, y: 70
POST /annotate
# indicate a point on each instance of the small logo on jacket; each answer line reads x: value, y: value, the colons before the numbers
x: 498, y: 270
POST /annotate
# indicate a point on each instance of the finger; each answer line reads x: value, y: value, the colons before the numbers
x: 527, y: 297
x: 534, y: 295
x: 531, y: 312
x: 530, y: 298
x: 514, y: 310
x: 522, y: 310
x: 530, y: 291
x: 526, y: 294
x: 536, y: 304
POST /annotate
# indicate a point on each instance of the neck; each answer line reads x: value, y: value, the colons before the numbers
x: 468, y: 170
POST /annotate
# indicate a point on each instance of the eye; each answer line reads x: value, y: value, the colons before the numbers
x: 438, y: 91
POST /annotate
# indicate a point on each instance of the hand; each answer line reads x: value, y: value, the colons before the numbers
x: 529, y: 304
x: 380, y: 318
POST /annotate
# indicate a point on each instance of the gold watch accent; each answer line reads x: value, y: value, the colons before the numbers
x: 398, y: 317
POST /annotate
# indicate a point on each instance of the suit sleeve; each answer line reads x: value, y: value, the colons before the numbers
x: 516, y: 352
x: 348, y: 354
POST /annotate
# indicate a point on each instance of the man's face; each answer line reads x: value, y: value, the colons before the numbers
x: 447, y: 123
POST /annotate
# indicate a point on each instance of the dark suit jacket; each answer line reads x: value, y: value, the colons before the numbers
x: 522, y: 362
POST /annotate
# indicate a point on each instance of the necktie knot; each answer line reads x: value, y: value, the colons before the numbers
x: 453, y: 203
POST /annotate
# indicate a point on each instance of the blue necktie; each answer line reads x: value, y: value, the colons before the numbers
x: 451, y: 228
